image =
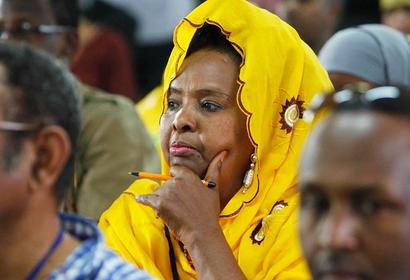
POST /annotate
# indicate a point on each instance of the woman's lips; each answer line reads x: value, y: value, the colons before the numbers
x: 177, y: 150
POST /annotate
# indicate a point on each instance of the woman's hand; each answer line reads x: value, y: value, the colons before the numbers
x: 185, y: 204
x: 191, y: 211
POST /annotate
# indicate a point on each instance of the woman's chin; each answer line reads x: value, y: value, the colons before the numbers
x: 199, y: 168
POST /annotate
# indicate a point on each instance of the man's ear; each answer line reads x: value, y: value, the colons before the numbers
x: 69, y: 45
x: 53, y: 148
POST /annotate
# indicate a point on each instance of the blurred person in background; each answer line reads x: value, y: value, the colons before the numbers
x: 156, y: 20
x: 359, y: 12
x: 372, y: 53
x: 39, y: 130
x: 113, y: 140
x: 396, y: 14
x: 315, y: 20
x: 104, y: 59
x: 355, y: 186
x: 270, y: 5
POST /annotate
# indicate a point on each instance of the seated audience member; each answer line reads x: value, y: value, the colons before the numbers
x: 234, y: 89
x: 104, y: 59
x: 156, y: 20
x: 372, y: 53
x: 113, y: 140
x: 355, y: 186
x: 396, y: 14
x: 39, y: 129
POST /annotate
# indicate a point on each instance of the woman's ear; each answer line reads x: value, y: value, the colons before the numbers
x: 52, y: 150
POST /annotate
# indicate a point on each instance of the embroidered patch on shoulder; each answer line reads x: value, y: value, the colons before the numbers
x: 292, y: 111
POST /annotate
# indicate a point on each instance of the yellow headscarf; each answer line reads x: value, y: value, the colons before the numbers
x: 150, y: 110
x: 278, y: 78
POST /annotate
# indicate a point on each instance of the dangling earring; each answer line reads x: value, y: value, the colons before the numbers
x: 247, y: 180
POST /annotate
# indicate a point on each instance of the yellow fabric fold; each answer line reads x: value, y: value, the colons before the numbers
x: 279, y: 76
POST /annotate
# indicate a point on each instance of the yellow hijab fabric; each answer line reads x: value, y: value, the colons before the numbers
x: 278, y: 77
x: 150, y: 110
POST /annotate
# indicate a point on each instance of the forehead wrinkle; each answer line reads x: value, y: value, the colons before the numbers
x: 204, y: 91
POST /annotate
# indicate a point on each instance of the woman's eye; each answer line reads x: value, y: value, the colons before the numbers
x: 209, y: 106
x: 172, y: 105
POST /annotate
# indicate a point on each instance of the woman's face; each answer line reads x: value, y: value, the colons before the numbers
x: 203, y: 119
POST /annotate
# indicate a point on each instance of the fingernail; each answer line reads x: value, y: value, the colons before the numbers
x: 211, y: 184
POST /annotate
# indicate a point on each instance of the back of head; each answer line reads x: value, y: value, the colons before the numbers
x: 373, y: 52
x: 44, y: 95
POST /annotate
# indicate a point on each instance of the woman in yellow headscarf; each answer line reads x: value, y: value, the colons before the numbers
x: 235, y: 89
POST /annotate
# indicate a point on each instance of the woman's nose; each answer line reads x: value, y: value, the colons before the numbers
x: 185, y: 120
x: 339, y: 230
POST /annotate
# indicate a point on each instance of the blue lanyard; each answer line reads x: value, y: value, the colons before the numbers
x: 44, y: 259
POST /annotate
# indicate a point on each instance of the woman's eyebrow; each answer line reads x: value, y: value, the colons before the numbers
x: 213, y: 92
x: 209, y: 91
x: 174, y: 90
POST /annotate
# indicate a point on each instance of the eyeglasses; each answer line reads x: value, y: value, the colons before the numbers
x: 17, y: 126
x: 24, y: 28
x: 390, y: 99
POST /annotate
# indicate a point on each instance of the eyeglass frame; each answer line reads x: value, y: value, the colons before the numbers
x: 363, y: 96
x: 18, y: 126
x: 26, y: 27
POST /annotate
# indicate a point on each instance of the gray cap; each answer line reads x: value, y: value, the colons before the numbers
x: 373, y: 52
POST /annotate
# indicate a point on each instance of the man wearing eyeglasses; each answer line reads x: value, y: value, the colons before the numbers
x: 355, y: 186
x: 38, y: 135
x: 113, y: 140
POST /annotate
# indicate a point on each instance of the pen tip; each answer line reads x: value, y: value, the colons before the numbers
x: 134, y: 173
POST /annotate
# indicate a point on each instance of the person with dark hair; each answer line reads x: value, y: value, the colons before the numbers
x: 235, y: 89
x: 360, y: 12
x: 113, y: 139
x: 104, y: 59
x: 155, y: 19
x: 355, y: 185
x: 39, y: 130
